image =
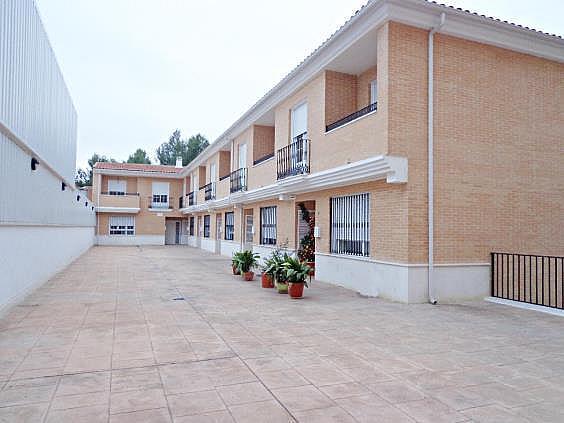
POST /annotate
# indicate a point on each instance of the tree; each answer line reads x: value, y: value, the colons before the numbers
x: 140, y: 156
x: 83, y: 177
x: 178, y: 147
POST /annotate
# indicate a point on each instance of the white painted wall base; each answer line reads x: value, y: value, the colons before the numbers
x: 526, y: 306
x: 208, y: 244
x: 130, y: 240
x: 401, y: 282
x: 229, y: 247
x: 31, y: 255
x: 192, y: 241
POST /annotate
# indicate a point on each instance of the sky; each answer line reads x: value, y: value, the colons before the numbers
x: 139, y: 69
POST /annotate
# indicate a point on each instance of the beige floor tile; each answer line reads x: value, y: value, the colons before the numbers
x: 195, y: 403
x: 244, y: 393
x: 267, y: 411
x: 135, y: 379
x: 213, y: 417
x: 159, y: 415
x: 84, y: 383
x: 124, y: 402
x: 302, y: 398
x: 23, y: 413
x: 396, y: 391
x: 429, y: 410
x: 324, y: 415
x: 92, y: 414
x: 80, y: 400
x: 282, y: 379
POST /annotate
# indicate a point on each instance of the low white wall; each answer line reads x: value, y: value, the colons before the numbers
x: 130, y: 240
x: 400, y: 282
x: 208, y: 244
x: 229, y: 247
x: 31, y: 255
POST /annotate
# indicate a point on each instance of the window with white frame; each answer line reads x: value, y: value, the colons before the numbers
x: 268, y: 225
x: 122, y: 225
x: 229, y: 225
x: 207, y: 220
x: 160, y: 195
x: 350, y: 225
x: 117, y: 187
x: 373, y: 92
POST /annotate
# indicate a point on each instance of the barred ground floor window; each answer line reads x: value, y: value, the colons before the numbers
x: 207, y: 226
x: 229, y: 225
x: 268, y: 225
x: 122, y: 225
x: 350, y: 224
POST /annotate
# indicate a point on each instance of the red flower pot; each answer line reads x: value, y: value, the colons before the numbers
x: 235, y: 270
x: 248, y: 276
x: 267, y: 281
x: 296, y: 290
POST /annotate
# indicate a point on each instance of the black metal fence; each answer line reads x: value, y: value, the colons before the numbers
x: 209, y: 191
x: 119, y: 193
x: 364, y: 111
x: 238, y: 180
x: 528, y: 278
x: 294, y: 158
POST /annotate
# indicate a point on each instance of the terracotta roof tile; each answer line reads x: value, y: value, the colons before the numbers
x: 137, y: 167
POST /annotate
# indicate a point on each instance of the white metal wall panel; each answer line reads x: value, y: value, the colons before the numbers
x: 34, y: 101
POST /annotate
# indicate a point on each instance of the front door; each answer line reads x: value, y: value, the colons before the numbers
x: 249, y: 231
x: 218, y: 231
x: 177, y: 233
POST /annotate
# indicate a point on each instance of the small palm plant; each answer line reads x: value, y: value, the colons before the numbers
x: 247, y: 260
x: 296, y: 273
x: 235, y: 263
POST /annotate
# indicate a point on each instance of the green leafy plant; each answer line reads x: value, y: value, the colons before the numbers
x: 295, y: 270
x: 235, y: 259
x: 247, y: 260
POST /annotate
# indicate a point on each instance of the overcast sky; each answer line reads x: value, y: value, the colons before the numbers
x: 138, y: 69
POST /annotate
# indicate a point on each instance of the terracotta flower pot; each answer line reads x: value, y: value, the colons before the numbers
x: 248, y: 276
x: 296, y: 290
x: 266, y: 280
x: 282, y: 287
x: 235, y: 270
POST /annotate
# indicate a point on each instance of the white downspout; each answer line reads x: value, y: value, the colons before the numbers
x: 430, y: 167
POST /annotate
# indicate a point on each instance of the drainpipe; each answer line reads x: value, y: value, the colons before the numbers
x: 430, y: 167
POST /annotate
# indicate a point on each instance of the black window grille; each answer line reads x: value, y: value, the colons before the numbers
x: 207, y: 226
x: 350, y: 225
x: 192, y: 226
x: 268, y: 225
x: 122, y: 225
x: 229, y: 225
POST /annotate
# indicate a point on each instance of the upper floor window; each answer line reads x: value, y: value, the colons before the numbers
x: 122, y: 225
x: 242, y: 156
x: 373, y: 92
x: 350, y: 225
x: 117, y: 187
x: 268, y: 225
x: 213, y: 172
x: 299, y: 120
x: 160, y: 194
x: 207, y: 226
x: 229, y: 225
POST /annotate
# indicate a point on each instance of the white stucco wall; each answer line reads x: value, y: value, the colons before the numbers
x: 33, y: 254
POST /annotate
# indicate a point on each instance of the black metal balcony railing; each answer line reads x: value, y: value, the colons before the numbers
x: 119, y: 193
x: 263, y: 159
x: 294, y: 158
x: 528, y: 278
x: 180, y: 202
x: 209, y: 191
x: 238, y: 180
x: 191, y: 198
x: 158, y: 201
x: 364, y: 111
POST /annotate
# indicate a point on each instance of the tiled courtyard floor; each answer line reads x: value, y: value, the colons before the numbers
x: 105, y: 340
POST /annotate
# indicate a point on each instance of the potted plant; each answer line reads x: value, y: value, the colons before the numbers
x: 296, y: 272
x: 280, y: 273
x: 269, y: 270
x: 247, y: 261
x: 235, y: 263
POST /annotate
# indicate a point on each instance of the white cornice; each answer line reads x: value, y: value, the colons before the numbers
x: 130, y: 210
x: 393, y: 169
x: 136, y: 173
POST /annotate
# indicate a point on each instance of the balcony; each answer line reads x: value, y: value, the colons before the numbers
x: 238, y: 180
x: 209, y: 191
x: 353, y: 116
x: 294, y: 158
x: 126, y: 201
x: 159, y: 202
x: 191, y: 198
